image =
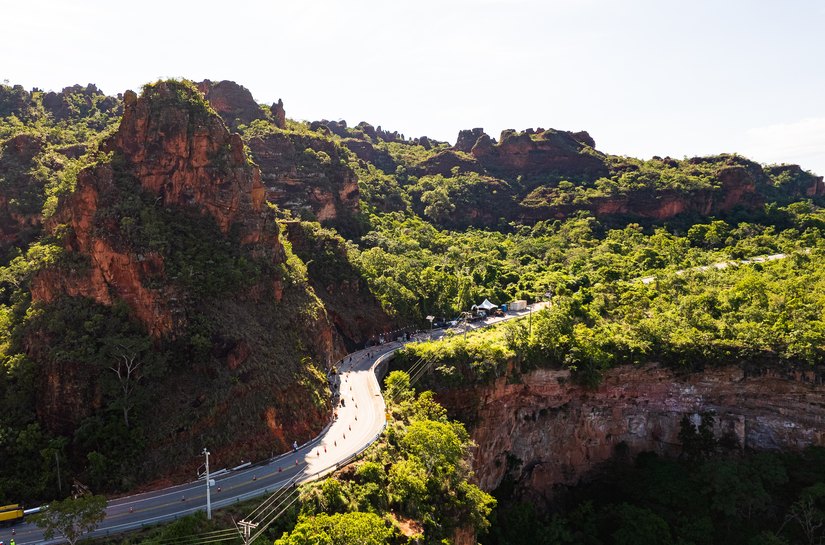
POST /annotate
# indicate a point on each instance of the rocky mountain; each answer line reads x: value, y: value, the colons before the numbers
x: 552, y: 174
x: 237, y: 254
x: 171, y: 226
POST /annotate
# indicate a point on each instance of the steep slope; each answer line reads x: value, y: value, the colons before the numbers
x: 544, y: 430
x: 172, y: 258
x: 353, y: 309
x: 301, y: 171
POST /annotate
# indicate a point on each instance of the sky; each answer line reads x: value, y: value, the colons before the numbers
x: 643, y: 77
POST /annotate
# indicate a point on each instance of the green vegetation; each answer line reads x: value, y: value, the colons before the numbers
x: 418, y: 472
x: 120, y: 389
x: 428, y: 240
x: 72, y: 518
x: 710, y: 495
x: 765, y: 313
x: 340, y: 529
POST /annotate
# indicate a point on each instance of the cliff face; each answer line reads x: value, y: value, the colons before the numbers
x: 175, y: 225
x: 539, y: 159
x: 308, y: 176
x: 295, y: 175
x: 188, y: 158
x: 542, y: 430
x: 353, y: 309
x: 532, y: 153
x: 171, y: 152
x: 233, y: 102
x: 737, y: 188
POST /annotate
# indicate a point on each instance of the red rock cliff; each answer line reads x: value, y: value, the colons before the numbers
x: 558, y: 432
x: 188, y: 159
x: 308, y: 176
x: 172, y: 146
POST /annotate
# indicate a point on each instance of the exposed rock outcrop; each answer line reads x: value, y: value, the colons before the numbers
x: 278, y: 114
x: 544, y: 430
x: 368, y: 153
x: 233, y: 102
x: 78, y: 101
x: 530, y: 153
x: 309, y: 176
x: 175, y: 154
x: 467, y: 139
x: 187, y: 158
x: 338, y: 128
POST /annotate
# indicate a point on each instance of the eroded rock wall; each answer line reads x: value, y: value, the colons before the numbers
x: 545, y: 430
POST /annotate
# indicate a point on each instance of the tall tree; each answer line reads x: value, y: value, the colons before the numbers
x: 71, y: 518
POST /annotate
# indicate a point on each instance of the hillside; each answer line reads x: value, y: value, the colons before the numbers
x: 183, y: 267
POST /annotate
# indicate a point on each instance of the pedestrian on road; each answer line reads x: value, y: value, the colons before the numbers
x: 295, y: 446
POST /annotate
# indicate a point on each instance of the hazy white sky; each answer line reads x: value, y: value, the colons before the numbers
x: 644, y: 77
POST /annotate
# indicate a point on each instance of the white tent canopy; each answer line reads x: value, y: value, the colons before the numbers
x: 486, y: 305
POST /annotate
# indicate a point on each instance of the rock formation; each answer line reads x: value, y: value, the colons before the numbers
x: 532, y: 153
x: 172, y: 152
x: 279, y: 114
x: 467, y: 139
x: 172, y: 157
x: 308, y: 176
x: 544, y: 430
x: 233, y: 102
x: 78, y: 101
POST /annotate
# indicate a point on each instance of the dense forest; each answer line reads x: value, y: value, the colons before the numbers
x: 375, y: 230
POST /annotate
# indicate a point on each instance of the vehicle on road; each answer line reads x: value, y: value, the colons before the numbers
x: 11, y: 513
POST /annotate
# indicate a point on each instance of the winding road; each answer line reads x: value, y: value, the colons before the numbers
x: 725, y: 264
x: 358, y: 423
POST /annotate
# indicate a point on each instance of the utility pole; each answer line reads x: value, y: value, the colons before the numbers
x: 247, y: 530
x: 530, y: 323
x: 208, y: 498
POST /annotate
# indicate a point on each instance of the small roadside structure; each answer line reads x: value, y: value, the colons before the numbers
x: 520, y: 304
x: 486, y: 306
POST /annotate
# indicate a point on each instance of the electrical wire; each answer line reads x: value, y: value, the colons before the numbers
x: 281, y: 512
x: 187, y: 540
x: 275, y: 495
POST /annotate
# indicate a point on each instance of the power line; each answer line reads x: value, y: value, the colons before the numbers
x: 186, y: 540
x: 281, y: 512
x: 274, y: 497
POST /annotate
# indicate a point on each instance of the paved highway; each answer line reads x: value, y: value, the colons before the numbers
x: 725, y: 264
x: 358, y: 422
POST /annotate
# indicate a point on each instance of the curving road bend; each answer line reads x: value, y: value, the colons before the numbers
x: 357, y: 424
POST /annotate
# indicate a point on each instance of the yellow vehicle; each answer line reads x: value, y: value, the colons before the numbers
x: 11, y: 513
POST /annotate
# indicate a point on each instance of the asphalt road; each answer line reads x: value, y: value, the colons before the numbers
x: 357, y: 424
x: 724, y: 265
